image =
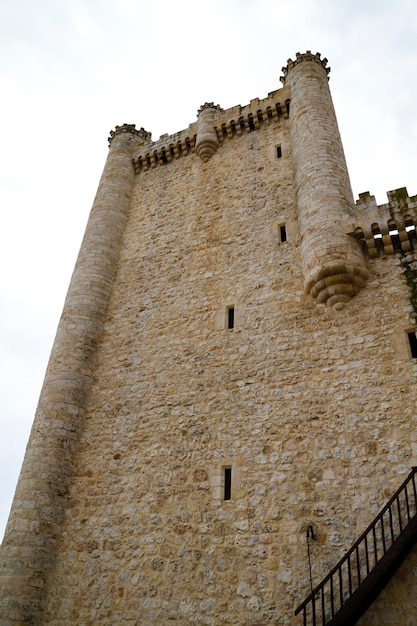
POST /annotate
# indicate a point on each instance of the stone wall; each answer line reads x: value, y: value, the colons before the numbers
x: 312, y: 409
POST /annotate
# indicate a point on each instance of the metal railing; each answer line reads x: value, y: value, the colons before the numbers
x: 364, y: 560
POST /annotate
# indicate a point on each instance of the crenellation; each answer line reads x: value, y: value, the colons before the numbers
x: 228, y: 124
x: 366, y: 202
x: 165, y: 154
x: 398, y: 206
x: 387, y: 228
x: 300, y: 58
x: 141, y: 133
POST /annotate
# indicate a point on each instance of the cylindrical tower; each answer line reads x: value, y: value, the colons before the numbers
x: 207, y: 142
x: 334, y: 265
x: 28, y: 550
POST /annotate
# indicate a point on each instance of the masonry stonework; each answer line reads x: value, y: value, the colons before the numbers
x: 120, y: 514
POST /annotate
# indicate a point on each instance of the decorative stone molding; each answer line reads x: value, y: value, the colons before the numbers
x: 165, y: 154
x: 337, y: 284
x: 380, y: 240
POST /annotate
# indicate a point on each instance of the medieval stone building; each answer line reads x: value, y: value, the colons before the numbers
x: 231, y: 396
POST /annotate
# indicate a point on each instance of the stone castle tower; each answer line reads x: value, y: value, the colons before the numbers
x: 231, y: 395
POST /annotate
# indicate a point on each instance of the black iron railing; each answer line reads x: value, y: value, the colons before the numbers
x: 352, y: 585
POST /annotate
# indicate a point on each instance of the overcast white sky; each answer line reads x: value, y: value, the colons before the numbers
x: 73, y: 69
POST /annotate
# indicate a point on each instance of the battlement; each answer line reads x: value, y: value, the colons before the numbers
x: 391, y: 227
x: 399, y: 204
x: 129, y: 128
x: 300, y: 58
x: 233, y: 122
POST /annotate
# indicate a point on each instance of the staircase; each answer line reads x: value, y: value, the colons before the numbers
x: 355, y: 582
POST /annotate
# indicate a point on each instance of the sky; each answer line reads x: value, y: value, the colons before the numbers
x: 71, y: 70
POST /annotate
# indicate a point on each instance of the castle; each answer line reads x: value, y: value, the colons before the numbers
x: 231, y: 396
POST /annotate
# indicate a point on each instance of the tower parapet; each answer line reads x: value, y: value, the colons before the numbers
x: 228, y: 124
x: 387, y: 228
x: 334, y: 265
x: 142, y: 135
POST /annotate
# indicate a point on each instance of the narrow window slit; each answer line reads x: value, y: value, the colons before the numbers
x: 227, y: 483
x: 279, y: 152
x: 230, y: 317
x: 412, y: 339
x: 282, y: 233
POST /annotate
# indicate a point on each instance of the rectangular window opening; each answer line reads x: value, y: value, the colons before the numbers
x: 412, y: 339
x: 230, y: 317
x: 227, y: 483
x: 282, y: 233
x: 279, y: 152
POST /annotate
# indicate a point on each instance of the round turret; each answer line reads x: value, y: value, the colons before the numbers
x: 28, y: 549
x: 207, y: 142
x: 334, y: 265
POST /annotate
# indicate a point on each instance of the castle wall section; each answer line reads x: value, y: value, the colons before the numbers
x: 312, y: 409
x: 221, y: 410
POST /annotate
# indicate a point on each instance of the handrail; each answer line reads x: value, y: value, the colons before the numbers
x: 327, y: 598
